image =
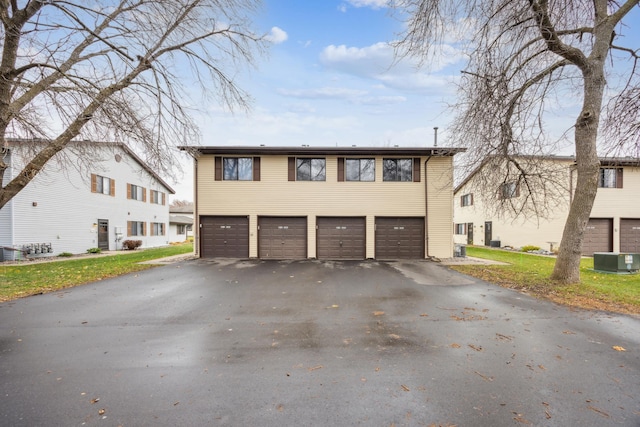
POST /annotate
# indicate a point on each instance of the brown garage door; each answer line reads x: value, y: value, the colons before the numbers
x: 341, y: 238
x: 399, y: 238
x: 630, y: 235
x: 224, y: 237
x: 282, y: 237
x: 598, y: 236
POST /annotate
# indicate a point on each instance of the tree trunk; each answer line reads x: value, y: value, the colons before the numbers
x: 567, y: 267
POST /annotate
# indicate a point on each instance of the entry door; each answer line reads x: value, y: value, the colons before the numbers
x: 487, y: 233
x: 103, y: 234
x: 470, y: 233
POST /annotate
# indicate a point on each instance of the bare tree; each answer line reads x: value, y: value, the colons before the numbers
x: 524, y: 57
x: 116, y: 70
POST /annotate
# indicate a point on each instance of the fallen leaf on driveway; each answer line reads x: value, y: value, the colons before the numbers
x: 315, y: 368
x: 404, y: 387
x: 618, y: 348
x: 101, y: 412
x: 378, y: 313
x: 484, y: 377
x: 96, y: 400
x: 598, y: 411
x: 454, y: 345
x: 475, y: 348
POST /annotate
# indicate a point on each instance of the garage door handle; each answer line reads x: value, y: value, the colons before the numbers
x: 225, y: 242
x: 341, y: 243
x: 398, y: 243
x: 283, y: 242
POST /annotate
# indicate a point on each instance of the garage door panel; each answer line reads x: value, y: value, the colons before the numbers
x: 224, y: 237
x: 282, y: 237
x: 598, y: 236
x: 399, y: 238
x: 630, y: 235
x: 341, y: 237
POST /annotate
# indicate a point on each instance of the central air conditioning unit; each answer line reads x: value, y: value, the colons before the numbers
x: 614, y: 262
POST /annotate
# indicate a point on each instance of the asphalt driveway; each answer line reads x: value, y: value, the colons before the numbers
x: 310, y: 343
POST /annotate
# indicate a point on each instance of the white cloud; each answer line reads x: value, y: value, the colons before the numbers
x: 323, y: 93
x: 373, y: 4
x: 379, y: 100
x: 376, y: 62
x: 277, y: 35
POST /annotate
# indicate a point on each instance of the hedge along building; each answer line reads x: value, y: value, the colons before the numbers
x: 326, y: 203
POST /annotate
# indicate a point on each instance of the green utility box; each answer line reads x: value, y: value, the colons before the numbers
x: 616, y: 262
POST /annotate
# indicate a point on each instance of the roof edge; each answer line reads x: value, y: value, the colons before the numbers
x: 320, y: 151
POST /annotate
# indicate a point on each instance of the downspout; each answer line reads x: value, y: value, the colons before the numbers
x: 196, y: 210
x: 426, y: 208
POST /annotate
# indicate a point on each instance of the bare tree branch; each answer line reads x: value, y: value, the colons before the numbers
x: 116, y: 71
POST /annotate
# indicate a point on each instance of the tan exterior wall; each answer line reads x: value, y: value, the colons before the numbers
x: 616, y: 203
x: 619, y: 203
x: 274, y: 195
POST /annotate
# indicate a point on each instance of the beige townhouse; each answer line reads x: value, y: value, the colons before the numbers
x: 324, y: 203
x: 614, y: 225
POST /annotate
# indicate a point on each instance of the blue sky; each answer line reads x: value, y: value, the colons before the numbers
x: 329, y: 79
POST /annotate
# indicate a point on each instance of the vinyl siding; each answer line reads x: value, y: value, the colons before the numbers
x: 274, y: 195
x: 615, y: 203
x: 67, y: 212
x: 6, y: 213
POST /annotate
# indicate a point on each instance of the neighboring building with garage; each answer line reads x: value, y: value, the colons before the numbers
x: 614, y: 224
x: 324, y: 203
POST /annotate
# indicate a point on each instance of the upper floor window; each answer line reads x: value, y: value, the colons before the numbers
x: 509, y: 190
x: 397, y: 170
x: 610, y: 178
x: 135, y: 192
x: 360, y: 169
x: 466, y: 200
x: 238, y: 168
x: 103, y: 185
x: 157, y: 197
x: 311, y: 170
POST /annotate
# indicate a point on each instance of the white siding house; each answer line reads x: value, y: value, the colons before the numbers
x: 73, y: 205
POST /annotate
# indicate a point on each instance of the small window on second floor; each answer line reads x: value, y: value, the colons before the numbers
x: 466, y: 200
x: 311, y: 170
x: 102, y: 185
x: 360, y: 169
x: 509, y: 190
x: 610, y: 178
x: 237, y: 168
x: 157, y: 197
x: 460, y: 228
x: 136, y: 192
x: 397, y: 170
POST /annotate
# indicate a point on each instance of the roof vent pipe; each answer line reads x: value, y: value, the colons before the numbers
x: 435, y: 136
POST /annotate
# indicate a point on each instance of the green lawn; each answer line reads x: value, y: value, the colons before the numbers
x: 19, y: 280
x: 620, y: 293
